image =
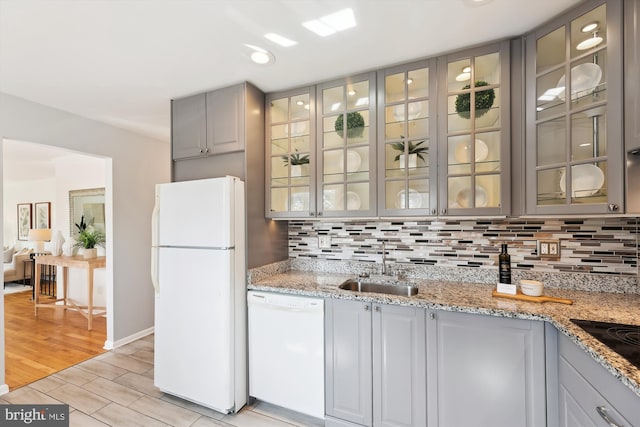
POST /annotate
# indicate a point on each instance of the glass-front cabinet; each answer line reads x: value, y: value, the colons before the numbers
x: 474, y: 129
x: 574, y: 113
x: 407, y: 173
x: 346, y: 147
x: 290, y: 152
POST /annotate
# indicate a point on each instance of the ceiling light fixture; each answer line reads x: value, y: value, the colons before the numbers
x: 300, y: 103
x: 590, y: 42
x: 464, y: 75
x: 590, y: 27
x: 281, y: 40
x: 351, y: 92
x: 260, y: 56
x: 332, y: 23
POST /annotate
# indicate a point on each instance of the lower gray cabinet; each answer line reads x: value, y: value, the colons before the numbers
x: 485, y: 371
x: 375, y: 359
x: 588, y: 395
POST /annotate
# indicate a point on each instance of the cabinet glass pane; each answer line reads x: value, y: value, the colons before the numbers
x: 279, y: 146
x: 588, y: 81
x: 331, y: 137
x: 395, y: 194
x: 460, y: 152
x: 458, y: 75
x: 550, y: 94
x: 279, y: 110
x: 460, y: 194
x: 279, y: 199
x: 488, y: 191
x: 357, y: 196
x: 333, y: 197
x: 418, y: 119
x: 301, y: 144
x: 357, y: 127
x: 394, y: 122
x: 417, y: 83
x: 487, y: 152
x: 300, y: 107
x: 550, y: 50
x: 394, y: 88
x: 356, y: 163
x: 488, y: 117
x: 333, y: 99
x: 358, y: 95
x: 279, y: 171
x: 548, y: 182
x: 457, y: 122
x: 333, y: 165
x: 279, y: 132
x: 552, y: 146
x: 589, y: 31
x: 588, y: 136
x: 487, y: 69
x: 300, y: 199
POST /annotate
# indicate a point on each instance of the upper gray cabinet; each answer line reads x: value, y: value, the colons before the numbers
x: 574, y: 140
x: 632, y: 103
x: 290, y: 153
x: 346, y: 135
x: 474, y: 132
x: 407, y: 148
x: 208, y: 123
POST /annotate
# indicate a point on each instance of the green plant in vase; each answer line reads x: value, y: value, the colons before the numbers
x: 483, y: 101
x: 88, y: 238
x: 296, y: 159
x: 355, y: 124
x: 411, y: 149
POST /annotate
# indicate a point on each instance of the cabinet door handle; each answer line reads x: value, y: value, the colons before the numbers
x: 443, y: 211
x: 602, y: 411
x: 613, y: 207
x: 377, y: 308
x: 366, y: 307
x: 432, y: 316
x: 433, y: 211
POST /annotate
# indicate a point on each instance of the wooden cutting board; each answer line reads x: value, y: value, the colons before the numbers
x: 522, y: 297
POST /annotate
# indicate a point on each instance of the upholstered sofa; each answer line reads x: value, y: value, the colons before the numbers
x: 15, y: 269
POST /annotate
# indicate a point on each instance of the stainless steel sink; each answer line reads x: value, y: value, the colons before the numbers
x: 380, y: 288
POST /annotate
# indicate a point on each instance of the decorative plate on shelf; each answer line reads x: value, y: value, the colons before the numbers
x: 300, y: 201
x: 353, y: 161
x: 353, y: 201
x: 464, y: 198
x: 462, y: 154
x: 586, y: 180
x: 415, y: 199
x: 584, y: 79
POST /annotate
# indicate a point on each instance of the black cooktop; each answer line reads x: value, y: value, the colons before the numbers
x: 623, y: 339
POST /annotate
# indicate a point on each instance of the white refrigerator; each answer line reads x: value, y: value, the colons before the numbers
x: 198, y: 270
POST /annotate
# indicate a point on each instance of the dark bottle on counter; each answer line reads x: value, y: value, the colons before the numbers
x: 504, y: 265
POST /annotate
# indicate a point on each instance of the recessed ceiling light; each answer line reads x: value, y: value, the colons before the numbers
x: 332, y: 23
x: 351, y: 92
x: 260, y: 56
x: 300, y: 103
x: 466, y: 69
x: 281, y: 40
x: 409, y: 80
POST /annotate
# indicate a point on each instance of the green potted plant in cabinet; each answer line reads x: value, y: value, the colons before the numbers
x: 355, y: 125
x: 414, y: 152
x: 483, y: 101
x: 296, y: 160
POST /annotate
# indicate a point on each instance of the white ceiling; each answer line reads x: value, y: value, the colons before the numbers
x: 121, y: 61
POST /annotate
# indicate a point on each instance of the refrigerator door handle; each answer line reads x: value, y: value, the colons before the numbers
x: 154, y: 246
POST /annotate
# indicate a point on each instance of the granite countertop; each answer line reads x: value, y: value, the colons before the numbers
x: 477, y: 298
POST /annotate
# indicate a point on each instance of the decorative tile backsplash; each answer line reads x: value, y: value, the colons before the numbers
x: 605, y: 246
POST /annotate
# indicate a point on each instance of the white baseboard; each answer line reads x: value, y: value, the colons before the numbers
x: 110, y: 345
x: 4, y: 389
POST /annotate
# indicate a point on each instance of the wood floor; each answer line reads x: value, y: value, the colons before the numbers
x: 55, y: 340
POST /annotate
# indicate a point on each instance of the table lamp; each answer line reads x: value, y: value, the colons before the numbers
x: 40, y: 235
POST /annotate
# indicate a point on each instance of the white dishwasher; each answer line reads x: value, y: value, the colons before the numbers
x: 286, y: 351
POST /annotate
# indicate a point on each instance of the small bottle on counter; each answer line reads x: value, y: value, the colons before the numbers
x: 504, y: 265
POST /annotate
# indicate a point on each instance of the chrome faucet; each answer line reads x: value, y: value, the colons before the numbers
x: 384, y: 259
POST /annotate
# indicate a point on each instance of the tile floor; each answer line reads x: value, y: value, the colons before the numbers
x: 116, y: 389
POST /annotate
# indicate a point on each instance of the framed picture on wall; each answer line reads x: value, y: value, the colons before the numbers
x: 24, y: 220
x: 42, y: 215
x: 88, y: 203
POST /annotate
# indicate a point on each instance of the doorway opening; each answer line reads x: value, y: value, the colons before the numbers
x: 48, y: 178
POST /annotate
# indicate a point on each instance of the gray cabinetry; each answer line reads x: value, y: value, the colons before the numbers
x: 189, y: 126
x: 484, y: 371
x: 208, y: 123
x: 574, y: 147
x: 375, y: 364
x: 225, y: 119
x: 588, y: 395
x: 632, y: 102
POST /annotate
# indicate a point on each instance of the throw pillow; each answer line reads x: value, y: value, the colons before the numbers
x: 7, y: 255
